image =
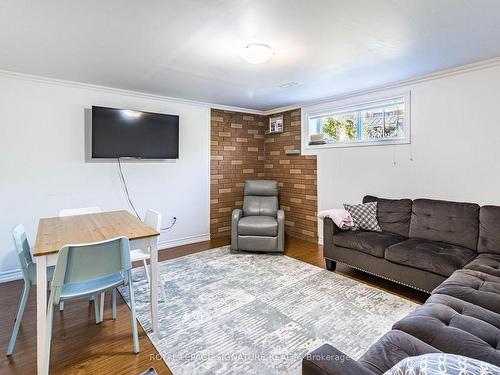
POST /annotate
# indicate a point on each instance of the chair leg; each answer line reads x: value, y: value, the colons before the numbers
x: 162, y: 287
x: 19, y: 317
x: 132, y: 310
x: 114, y: 304
x: 61, y: 306
x: 146, y: 270
x: 48, y: 338
x: 101, y: 307
x: 97, y: 310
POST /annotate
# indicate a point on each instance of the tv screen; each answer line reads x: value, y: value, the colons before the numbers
x: 122, y: 133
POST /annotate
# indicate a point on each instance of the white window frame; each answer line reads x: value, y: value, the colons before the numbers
x: 324, y: 109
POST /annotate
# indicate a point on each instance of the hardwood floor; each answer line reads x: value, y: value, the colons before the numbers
x: 79, y: 346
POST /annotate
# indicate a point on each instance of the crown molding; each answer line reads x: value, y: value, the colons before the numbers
x: 480, y: 65
x: 278, y: 110
x: 112, y: 90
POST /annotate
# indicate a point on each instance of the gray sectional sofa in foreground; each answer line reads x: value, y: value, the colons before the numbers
x: 448, y: 249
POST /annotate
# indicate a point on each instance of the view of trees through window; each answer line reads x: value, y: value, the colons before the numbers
x: 371, y: 122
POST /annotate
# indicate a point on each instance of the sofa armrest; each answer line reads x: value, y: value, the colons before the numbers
x: 280, y: 217
x: 329, y: 229
x: 326, y: 360
x: 237, y: 214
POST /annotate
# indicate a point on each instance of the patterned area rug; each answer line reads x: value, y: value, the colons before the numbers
x: 259, y: 314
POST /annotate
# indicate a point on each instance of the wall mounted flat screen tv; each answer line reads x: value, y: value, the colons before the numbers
x: 122, y: 133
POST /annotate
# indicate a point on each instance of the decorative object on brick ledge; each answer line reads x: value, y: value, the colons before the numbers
x: 276, y: 124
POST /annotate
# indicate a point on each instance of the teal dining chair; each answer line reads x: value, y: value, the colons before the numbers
x: 28, y: 269
x: 82, y: 211
x: 86, y: 270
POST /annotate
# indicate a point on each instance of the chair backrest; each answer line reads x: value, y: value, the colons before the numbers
x: 22, y: 249
x: 261, y: 198
x: 79, y: 211
x: 85, y: 262
x: 153, y: 219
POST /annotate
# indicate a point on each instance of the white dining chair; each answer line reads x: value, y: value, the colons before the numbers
x: 82, y: 211
x: 153, y: 219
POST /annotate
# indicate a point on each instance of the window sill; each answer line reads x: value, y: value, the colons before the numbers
x: 386, y: 142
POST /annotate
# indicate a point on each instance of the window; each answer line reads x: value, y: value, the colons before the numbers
x: 380, y: 121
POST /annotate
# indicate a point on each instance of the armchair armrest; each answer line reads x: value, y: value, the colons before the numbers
x: 280, y: 217
x: 326, y: 360
x: 237, y: 214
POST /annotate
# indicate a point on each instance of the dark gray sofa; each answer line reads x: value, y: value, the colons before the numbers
x: 421, y: 244
x: 448, y: 248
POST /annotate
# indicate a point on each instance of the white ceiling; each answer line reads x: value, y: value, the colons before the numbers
x: 190, y: 48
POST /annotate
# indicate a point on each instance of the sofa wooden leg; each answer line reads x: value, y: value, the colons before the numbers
x: 330, y: 264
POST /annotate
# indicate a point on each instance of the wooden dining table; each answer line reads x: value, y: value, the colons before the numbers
x: 56, y: 232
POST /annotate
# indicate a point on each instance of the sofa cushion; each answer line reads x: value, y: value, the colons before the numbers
x: 473, y: 286
x: 489, y: 230
x: 451, y: 222
x: 437, y: 257
x: 391, y: 348
x: 373, y: 243
x: 487, y: 263
x: 393, y: 214
x: 456, y: 327
x: 258, y: 226
x: 466, y: 308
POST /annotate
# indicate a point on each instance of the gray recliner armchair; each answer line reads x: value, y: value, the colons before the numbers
x: 260, y: 226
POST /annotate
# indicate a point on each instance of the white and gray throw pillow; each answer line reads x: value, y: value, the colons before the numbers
x: 442, y: 364
x: 364, y: 216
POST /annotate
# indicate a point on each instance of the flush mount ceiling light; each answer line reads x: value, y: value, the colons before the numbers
x: 256, y: 53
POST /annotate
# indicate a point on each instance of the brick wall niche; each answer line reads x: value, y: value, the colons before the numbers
x: 242, y: 149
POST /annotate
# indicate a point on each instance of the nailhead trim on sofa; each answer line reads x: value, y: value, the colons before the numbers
x: 381, y: 276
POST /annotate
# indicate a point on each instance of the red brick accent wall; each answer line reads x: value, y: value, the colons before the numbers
x: 296, y: 176
x: 241, y: 149
x: 237, y: 154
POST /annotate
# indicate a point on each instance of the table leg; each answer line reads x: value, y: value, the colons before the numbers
x: 41, y: 312
x: 154, y: 283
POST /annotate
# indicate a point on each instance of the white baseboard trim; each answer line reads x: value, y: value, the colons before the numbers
x: 17, y: 274
x: 183, y: 241
x: 10, y: 275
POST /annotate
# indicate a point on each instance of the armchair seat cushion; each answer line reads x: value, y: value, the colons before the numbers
x: 372, y: 243
x: 437, y: 257
x: 258, y: 226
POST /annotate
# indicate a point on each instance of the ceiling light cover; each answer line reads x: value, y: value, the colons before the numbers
x: 257, y: 53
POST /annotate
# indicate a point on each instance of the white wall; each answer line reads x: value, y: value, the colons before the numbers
x: 43, y: 168
x: 454, y: 154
